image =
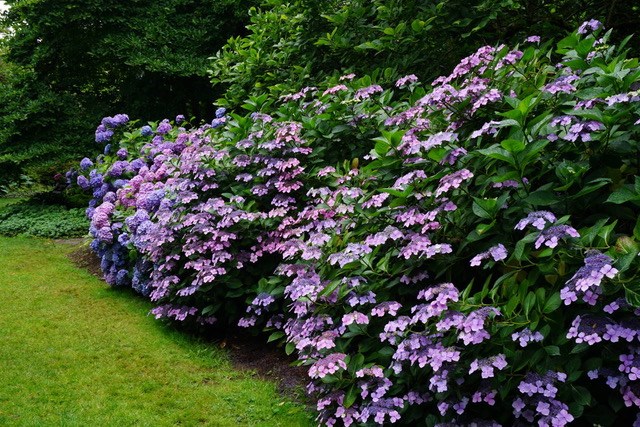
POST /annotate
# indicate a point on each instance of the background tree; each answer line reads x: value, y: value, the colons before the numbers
x: 290, y: 43
x: 68, y: 63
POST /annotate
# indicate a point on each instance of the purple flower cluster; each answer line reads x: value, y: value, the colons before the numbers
x: 105, y: 130
x: 590, y: 25
x: 498, y: 253
x: 538, y: 403
x: 587, y: 280
x: 526, y: 336
x: 537, y: 220
x: 551, y: 235
x: 563, y: 84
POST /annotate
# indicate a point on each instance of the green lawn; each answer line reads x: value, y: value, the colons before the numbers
x: 74, y: 352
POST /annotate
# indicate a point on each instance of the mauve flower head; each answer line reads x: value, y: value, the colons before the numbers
x: 562, y: 84
x: 563, y: 120
x: 403, y: 81
x: 536, y: 219
x: 89, y: 213
x: 70, y: 176
x: 103, y: 134
x: 110, y: 197
x: 95, y: 179
x: 328, y: 365
x: 83, y: 182
x: 151, y: 201
x: 366, y: 92
x: 164, y: 127
x: 596, y: 267
x: 334, y: 89
x: 220, y: 112
x: 134, y: 221
x: 452, y: 181
x: 146, y: 130
x: 180, y: 118
x: 588, y: 329
x: 136, y: 165
x: 583, y: 131
x: 104, y: 234
x: 526, y: 336
x: 590, y: 25
x: 453, y: 155
x: 122, y: 153
x: 218, y: 121
x: 532, y: 39
x: 553, y: 234
x: 510, y: 58
x: 115, y: 121
x: 118, y: 168
x: 498, y: 253
x: 122, y: 278
x: 86, y: 163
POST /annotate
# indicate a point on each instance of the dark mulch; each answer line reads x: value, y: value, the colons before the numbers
x: 83, y: 257
x: 246, y: 352
x: 267, y: 361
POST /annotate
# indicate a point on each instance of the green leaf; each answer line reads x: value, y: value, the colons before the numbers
x: 520, y: 245
x: 622, y: 195
x: 483, y: 228
x: 552, y: 303
x: 636, y: 230
x: 381, y: 148
x: 497, y: 152
x: 513, y: 145
x: 275, y: 336
x: 511, y: 305
x: 350, y: 397
x: 209, y: 309
x: 632, y: 294
x: 542, y: 198
x: 579, y: 348
x: 289, y: 348
x: 529, y: 302
x: 592, y: 186
x: 484, y: 208
x: 552, y: 350
x: 581, y: 395
x: 588, y: 234
x: 398, y: 193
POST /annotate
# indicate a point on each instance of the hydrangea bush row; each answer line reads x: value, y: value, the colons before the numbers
x: 461, y: 253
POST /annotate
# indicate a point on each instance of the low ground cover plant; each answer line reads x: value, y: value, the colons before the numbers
x: 33, y: 218
x: 458, y: 253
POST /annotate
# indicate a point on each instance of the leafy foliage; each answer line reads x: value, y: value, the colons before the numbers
x: 461, y: 253
x: 35, y: 219
x: 291, y: 43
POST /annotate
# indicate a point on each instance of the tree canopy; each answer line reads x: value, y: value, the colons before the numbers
x: 292, y: 42
x: 69, y: 63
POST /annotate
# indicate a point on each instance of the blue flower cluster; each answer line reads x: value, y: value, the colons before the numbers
x: 105, y: 130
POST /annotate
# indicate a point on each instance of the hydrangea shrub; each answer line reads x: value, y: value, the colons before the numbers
x: 462, y: 253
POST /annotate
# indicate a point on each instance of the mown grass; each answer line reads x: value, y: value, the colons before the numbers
x: 74, y: 352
